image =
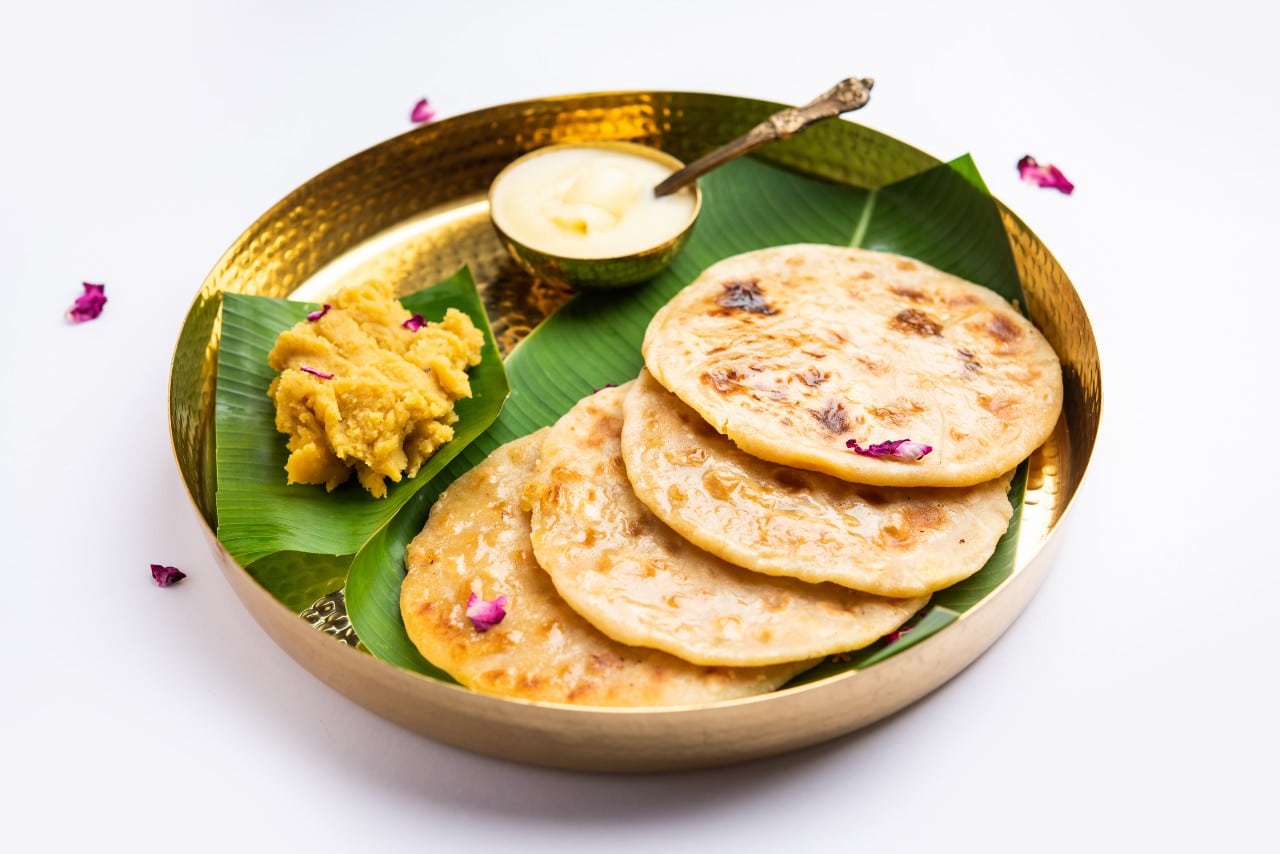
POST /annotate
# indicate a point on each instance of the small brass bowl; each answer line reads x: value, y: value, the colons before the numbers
x: 598, y: 273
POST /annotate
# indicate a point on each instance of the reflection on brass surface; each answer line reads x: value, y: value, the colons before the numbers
x: 433, y: 246
x: 329, y: 615
x: 1045, y: 497
x: 1055, y: 307
x: 411, y: 209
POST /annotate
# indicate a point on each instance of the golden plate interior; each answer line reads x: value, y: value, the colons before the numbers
x: 413, y: 210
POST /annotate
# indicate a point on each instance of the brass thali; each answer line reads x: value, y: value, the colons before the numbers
x: 413, y: 210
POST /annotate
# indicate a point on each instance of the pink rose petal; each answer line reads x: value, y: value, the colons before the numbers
x: 414, y: 323
x: 898, y: 449
x: 319, y: 313
x: 485, y: 615
x: 89, y: 304
x: 166, y: 576
x: 1044, y: 176
x: 321, y: 374
x: 422, y: 112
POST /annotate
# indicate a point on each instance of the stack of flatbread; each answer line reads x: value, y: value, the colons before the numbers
x: 821, y: 438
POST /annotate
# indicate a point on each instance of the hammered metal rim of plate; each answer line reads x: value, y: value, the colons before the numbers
x: 583, y: 737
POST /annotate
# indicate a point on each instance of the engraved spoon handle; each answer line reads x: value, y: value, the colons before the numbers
x: 845, y: 96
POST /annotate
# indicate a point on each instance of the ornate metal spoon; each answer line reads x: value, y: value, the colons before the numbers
x: 845, y: 96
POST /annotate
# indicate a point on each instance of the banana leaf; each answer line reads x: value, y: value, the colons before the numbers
x: 943, y: 216
x: 299, y: 579
x: 259, y: 513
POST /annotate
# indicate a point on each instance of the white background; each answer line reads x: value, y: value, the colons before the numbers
x: 1131, y: 706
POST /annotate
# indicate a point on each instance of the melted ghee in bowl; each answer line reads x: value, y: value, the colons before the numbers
x: 590, y: 201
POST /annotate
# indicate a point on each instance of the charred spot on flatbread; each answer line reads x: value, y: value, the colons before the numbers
x: 969, y: 360
x: 724, y: 380
x: 813, y: 377
x: 916, y: 322
x: 745, y: 295
x: 832, y: 416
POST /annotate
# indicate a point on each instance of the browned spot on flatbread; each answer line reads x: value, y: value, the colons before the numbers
x: 913, y: 294
x: 791, y: 479
x: 563, y: 474
x: 971, y: 363
x: 746, y: 295
x: 812, y: 377
x: 689, y: 457
x: 1002, y: 406
x: 912, y: 521
x: 604, y: 663
x: 1004, y: 330
x: 603, y: 429
x: 924, y: 516
x: 916, y: 322
x: 724, y: 380
x: 832, y: 416
x: 719, y: 485
x: 873, y: 497
x: 896, y: 413
x: 879, y: 367
x: 905, y: 264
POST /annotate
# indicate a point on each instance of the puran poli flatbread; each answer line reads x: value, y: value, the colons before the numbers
x: 476, y: 540
x: 642, y: 584
x: 793, y: 351
x: 892, y: 541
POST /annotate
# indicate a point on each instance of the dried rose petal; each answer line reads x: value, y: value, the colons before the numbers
x: 1043, y: 176
x: 422, y: 112
x: 319, y: 313
x: 166, y: 576
x: 89, y: 304
x: 898, y: 449
x: 893, y: 636
x: 485, y: 615
x: 415, y: 323
x: 321, y: 374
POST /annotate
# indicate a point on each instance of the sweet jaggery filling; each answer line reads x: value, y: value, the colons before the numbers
x: 359, y: 391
